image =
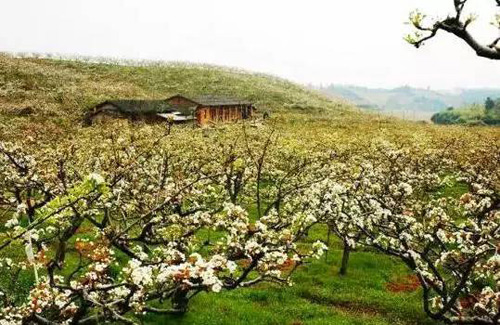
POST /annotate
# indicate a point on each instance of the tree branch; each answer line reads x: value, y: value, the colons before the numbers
x: 454, y: 25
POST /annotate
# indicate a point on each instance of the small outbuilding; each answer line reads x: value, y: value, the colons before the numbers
x: 152, y: 111
x: 211, y: 109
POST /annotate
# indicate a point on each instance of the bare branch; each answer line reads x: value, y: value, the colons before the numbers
x: 456, y: 25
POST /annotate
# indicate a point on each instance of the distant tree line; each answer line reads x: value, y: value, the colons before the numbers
x: 487, y: 114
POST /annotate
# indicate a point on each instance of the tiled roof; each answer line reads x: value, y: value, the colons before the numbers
x: 133, y: 106
x: 141, y: 107
x: 213, y: 100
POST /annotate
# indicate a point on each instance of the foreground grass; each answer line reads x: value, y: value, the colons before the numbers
x: 319, y: 296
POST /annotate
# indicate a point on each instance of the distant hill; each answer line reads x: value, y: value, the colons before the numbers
x: 412, y: 103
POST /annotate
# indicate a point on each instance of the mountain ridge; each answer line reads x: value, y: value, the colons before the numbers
x: 420, y: 102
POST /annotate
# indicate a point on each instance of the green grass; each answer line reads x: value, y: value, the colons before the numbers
x: 454, y: 189
x: 319, y: 296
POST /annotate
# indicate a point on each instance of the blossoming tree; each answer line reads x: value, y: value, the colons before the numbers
x: 450, y: 243
x: 133, y: 238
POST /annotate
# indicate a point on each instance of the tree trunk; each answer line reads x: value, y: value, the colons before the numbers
x: 328, y: 244
x: 345, y: 259
x: 180, y: 301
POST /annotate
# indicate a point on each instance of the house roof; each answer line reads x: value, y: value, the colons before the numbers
x: 132, y: 106
x: 213, y: 100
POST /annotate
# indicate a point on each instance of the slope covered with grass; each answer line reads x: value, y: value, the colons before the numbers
x: 64, y: 89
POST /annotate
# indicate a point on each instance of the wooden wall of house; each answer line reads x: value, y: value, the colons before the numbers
x: 226, y: 113
x: 201, y: 116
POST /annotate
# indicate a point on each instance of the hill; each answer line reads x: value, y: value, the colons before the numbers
x: 408, y: 102
x: 62, y: 90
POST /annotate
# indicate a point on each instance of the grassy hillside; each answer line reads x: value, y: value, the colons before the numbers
x: 64, y: 89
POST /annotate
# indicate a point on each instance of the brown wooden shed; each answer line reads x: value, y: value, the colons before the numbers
x: 210, y: 108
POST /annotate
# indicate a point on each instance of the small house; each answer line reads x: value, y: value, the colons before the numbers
x: 178, y: 108
x: 211, y: 109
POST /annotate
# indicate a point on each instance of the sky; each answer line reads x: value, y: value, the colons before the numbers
x: 357, y: 42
